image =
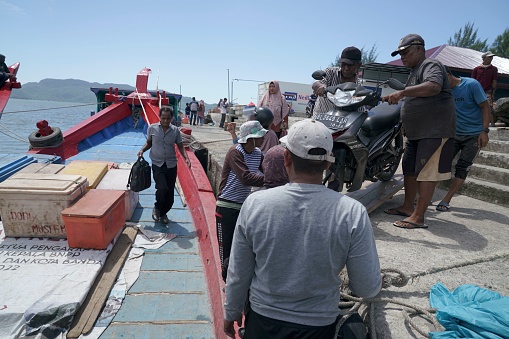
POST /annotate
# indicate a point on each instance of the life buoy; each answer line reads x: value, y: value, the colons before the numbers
x: 54, y: 139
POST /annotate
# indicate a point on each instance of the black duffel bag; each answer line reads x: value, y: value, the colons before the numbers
x: 140, y: 176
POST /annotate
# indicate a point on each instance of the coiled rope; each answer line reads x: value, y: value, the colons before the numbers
x: 394, y: 277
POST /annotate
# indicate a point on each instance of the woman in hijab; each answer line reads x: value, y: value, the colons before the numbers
x: 201, y: 112
x: 276, y: 102
x: 273, y: 166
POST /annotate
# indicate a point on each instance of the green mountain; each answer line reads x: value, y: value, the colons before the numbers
x: 68, y: 90
x: 71, y: 90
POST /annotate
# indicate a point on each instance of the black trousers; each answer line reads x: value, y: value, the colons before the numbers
x: 259, y: 326
x: 226, y: 219
x: 165, y: 186
x: 193, y: 119
x: 3, y: 78
x: 223, y: 118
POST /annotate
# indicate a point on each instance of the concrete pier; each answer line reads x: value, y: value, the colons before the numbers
x: 467, y: 245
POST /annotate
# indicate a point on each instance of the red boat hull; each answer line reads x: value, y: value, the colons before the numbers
x: 5, y: 90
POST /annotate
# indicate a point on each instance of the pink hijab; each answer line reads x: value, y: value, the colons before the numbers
x: 276, y: 103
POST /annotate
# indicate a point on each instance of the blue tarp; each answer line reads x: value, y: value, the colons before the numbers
x: 470, y: 312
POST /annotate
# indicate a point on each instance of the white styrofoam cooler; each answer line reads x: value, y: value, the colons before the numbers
x: 116, y: 179
x: 42, y: 168
x: 31, y: 203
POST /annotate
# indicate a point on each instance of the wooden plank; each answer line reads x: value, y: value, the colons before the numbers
x: 164, y: 308
x: 375, y: 194
x: 161, y: 282
x: 181, y: 193
x: 86, y: 316
x: 152, y: 330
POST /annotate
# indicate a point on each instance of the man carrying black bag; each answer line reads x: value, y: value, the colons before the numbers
x: 161, y: 140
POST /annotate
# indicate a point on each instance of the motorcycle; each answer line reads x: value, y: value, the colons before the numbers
x: 310, y: 106
x: 368, y: 137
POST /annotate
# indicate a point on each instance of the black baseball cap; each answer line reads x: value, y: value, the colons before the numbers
x: 350, y: 55
x: 407, y: 41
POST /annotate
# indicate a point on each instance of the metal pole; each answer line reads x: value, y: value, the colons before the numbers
x: 180, y: 102
x: 228, y: 84
x: 232, y: 93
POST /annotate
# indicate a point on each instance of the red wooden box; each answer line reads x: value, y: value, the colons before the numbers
x: 94, y: 220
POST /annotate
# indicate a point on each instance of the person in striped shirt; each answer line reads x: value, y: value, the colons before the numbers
x: 241, y: 170
x: 350, y: 63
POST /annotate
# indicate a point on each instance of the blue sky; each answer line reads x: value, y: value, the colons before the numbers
x: 190, y: 45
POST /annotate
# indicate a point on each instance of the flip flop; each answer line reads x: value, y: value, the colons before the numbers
x: 393, y: 211
x: 443, y: 207
x: 408, y: 225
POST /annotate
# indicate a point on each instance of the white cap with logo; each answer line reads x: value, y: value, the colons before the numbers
x: 307, y: 135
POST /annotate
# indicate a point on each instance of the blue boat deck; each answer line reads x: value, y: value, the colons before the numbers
x: 170, y: 298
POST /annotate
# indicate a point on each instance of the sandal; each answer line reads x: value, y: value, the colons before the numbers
x: 408, y: 225
x: 443, y: 207
x: 395, y: 211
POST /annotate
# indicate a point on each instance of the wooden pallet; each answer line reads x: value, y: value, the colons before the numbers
x: 376, y: 193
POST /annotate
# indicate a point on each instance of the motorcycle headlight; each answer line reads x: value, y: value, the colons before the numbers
x: 344, y: 98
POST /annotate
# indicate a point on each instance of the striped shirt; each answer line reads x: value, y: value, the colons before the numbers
x: 240, y: 172
x: 332, y: 78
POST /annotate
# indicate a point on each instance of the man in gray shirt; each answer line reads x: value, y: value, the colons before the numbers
x: 429, y: 120
x: 161, y: 140
x: 290, y: 244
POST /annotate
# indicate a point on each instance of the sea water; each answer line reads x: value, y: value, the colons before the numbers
x: 20, y: 116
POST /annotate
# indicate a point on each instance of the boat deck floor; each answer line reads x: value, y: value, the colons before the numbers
x: 170, y: 297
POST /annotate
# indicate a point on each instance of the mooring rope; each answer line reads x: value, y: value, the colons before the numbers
x: 12, y: 134
x: 400, y: 280
x: 48, y: 109
x: 190, y: 141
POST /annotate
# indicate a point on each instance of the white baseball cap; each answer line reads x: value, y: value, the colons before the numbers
x: 306, y: 135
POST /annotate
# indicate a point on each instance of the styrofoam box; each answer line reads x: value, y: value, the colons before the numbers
x: 94, y: 220
x: 94, y: 171
x: 31, y: 203
x: 116, y: 179
x: 42, y: 168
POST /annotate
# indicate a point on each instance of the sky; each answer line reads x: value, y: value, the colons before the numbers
x: 204, y: 48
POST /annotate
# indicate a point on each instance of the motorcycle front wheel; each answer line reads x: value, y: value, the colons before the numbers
x: 396, y: 149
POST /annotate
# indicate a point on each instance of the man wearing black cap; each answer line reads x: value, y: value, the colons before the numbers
x: 429, y: 121
x: 350, y: 62
x: 487, y: 74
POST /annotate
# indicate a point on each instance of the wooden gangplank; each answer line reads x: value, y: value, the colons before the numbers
x: 86, y: 316
x: 375, y: 194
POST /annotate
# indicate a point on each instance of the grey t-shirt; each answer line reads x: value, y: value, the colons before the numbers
x: 290, y: 244
x: 429, y: 117
x: 163, y: 144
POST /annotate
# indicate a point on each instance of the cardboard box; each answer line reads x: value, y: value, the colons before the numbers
x: 94, y: 220
x: 31, y: 203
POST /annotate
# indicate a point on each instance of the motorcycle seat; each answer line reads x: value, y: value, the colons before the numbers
x: 380, y: 118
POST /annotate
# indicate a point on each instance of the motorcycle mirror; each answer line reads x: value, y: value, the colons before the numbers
x: 396, y: 84
x: 318, y: 75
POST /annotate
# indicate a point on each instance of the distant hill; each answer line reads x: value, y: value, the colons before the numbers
x: 68, y: 90
x: 71, y: 90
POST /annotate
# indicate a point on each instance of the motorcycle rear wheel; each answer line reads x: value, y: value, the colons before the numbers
x: 396, y: 147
